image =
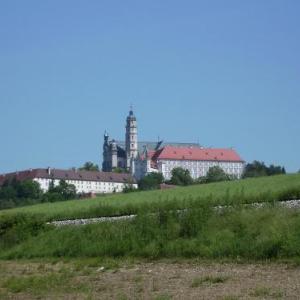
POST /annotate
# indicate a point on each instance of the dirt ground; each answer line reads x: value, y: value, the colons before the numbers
x: 160, y: 280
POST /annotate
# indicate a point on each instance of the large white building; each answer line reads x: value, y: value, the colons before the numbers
x: 196, y: 159
x: 86, y: 182
x: 142, y: 158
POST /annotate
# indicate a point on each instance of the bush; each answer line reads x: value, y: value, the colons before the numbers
x: 16, y: 193
x: 63, y: 191
x: 181, y: 176
x: 52, y: 197
x: 216, y: 174
x: 15, y: 229
x: 151, y: 181
x: 257, y: 169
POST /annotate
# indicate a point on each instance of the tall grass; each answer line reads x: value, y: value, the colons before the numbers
x: 163, y: 226
x: 265, y: 233
x: 264, y: 189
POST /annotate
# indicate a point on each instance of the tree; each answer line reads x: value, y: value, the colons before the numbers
x: 129, y: 186
x: 181, y: 176
x: 8, y: 193
x: 256, y: 169
x: 89, y: 166
x: 68, y: 191
x: 52, y: 197
x: 14, y: 189
x: 151, y: 181
x: 215, y: 174
x: 119, y: 170
x: 29, y: 189
x: 15, y: 193
x: 63, y: 191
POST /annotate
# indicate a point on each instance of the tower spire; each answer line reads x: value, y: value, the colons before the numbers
x: 131, y: 138
x: 131, y: 110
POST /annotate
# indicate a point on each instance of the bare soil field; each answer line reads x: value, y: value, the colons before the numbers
x: 161, y: 280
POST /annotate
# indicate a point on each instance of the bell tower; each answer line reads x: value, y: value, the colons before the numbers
x: 131, y: 139
x: 105, y: 162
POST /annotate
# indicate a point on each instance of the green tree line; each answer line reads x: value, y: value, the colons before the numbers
x: 15, y: 193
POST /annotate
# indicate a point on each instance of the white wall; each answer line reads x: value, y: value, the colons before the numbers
x: 86, y: 186
x: 142, y: 168
x: 199, y: 168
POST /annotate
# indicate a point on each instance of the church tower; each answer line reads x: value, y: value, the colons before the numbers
x: 105, y: 163
x: 131, y: 139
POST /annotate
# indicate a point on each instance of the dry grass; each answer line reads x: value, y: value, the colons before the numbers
x: 208, y: 279
x: 161, y: 280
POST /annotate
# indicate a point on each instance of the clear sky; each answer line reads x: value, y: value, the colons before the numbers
x: 224, y: 73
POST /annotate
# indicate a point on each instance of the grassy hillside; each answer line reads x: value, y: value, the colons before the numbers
x: 282, y: 187
x: 240, y: 233
x: 237, y: 232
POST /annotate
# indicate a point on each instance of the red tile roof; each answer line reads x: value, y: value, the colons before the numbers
x: 197, y: 153
x: 68, y: 175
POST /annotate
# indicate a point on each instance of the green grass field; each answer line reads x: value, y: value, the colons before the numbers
x: 161, y: 228
x: 265, y: 189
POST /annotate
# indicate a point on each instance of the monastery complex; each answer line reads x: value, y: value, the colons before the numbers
x: 136, y: 160
x: 142, y: 158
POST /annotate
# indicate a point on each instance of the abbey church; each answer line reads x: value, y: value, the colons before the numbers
x: 142, y: 158
x: 120, y: 154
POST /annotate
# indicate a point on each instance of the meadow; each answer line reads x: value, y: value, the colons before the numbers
x: 183, y: 243
x: 176, y: 223
x: 264, y: 189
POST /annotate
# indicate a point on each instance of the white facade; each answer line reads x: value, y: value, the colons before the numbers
x: 84, y: 186
x: 198, y: 168
x: 143, y: 167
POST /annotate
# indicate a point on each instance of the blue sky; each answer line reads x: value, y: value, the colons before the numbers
x: 224, y: 73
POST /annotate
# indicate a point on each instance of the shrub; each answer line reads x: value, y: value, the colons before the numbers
x: 216, y: 174
x: 151, y: 181
x: 15, y: 229
x: 181, y: 176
